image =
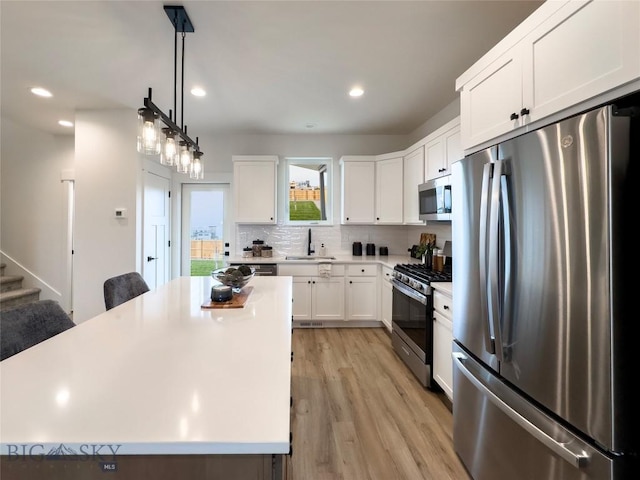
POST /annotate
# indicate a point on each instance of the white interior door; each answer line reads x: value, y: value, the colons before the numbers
x: 156, y: 253
x: 205, y: 227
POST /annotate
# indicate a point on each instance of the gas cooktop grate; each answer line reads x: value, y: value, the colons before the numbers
x: 420, y: 272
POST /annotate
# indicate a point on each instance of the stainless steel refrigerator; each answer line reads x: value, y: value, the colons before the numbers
x: 545, y: 319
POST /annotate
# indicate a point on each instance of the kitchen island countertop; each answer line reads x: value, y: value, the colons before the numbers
x: 160, y: 375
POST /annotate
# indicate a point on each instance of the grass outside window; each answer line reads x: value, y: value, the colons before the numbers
x: 204, y: 267
x: 304, y: 210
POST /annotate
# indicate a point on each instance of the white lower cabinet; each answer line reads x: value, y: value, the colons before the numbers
x: 386, y: 297
x: 318, y: 298
x: 361, y: 292
x: 315, y: 297
x: 442, y: 342
x: 301, y: 291
x: 327, y: 298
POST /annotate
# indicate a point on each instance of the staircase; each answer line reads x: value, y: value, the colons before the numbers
x: 11, y: 291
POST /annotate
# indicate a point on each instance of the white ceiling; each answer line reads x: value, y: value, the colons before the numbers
x: 268, y: 66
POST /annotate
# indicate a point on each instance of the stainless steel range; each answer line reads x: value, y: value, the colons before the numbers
x: 412, y: 317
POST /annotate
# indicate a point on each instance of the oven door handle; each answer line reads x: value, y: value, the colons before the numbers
x: 409, y: 292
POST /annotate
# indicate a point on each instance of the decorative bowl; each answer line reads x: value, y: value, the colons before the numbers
x: 234, y: 277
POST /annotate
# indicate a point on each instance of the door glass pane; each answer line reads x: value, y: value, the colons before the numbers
x: 203, y: 236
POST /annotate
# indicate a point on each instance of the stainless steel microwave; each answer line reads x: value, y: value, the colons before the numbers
x: 434, y: 199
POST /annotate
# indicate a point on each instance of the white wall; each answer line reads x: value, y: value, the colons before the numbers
x: 445, y: 115
x: 33, y: 203
x: 108, y: 176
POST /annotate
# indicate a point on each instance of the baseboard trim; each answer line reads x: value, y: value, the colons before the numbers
x: 337, y: 324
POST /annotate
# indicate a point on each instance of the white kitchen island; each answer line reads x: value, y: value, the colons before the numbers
x: 162, y: 387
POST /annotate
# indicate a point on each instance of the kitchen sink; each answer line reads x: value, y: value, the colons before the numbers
x: 308, y: 257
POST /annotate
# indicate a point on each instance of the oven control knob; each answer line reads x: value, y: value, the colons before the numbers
x: 420, y: 287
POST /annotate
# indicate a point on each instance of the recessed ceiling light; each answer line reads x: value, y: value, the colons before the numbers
x: 356, y: 92
x: 41, y: 92
x: 65, y: 123
x: 198, y: 92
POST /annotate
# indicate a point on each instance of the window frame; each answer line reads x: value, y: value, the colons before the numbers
x: 328, y: 186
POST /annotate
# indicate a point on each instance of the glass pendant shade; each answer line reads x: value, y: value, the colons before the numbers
x: 184, y: 162
x: 169, y: 148
x: 197, y: 170
x: 148, y: 132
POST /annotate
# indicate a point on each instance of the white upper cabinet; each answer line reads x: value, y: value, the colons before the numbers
x: 254, y: 188
x: 442, y: 149
x: 565, y: 53
x: 490, y: 101
x: 413, y: 173
x: 581, y: 51
x: 358, y: 189
x: 389, y: 180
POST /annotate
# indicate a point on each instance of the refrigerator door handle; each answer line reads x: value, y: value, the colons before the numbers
x: 577, y: 459
x: 494, y: 258
x: 489, y: 342
x: 505, y: 261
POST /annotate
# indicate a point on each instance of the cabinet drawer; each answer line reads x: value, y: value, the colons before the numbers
x: 442, y: 303
x: 446, y: 322
x: 362, y: 270
x: 312, y: 270
x: 387, y: 274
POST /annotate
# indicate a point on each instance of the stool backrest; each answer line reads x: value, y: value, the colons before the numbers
x: 26, y: 325
x: 122, y: 288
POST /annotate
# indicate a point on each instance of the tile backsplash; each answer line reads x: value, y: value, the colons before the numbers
x: 337, y: 239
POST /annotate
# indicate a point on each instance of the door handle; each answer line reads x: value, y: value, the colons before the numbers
x: 149, y: 258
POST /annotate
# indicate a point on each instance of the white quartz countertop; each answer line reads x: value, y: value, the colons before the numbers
x: 160, y: 375
x: 388, y: 260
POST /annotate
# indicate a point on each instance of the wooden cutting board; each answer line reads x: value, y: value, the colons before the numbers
x: 428, y: 238
x: 237, y: 301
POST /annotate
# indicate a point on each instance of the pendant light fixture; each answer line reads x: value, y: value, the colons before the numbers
x: 197, y: 172
x: 173, y: 144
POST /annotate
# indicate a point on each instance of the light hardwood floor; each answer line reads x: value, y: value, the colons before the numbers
x: 359, y: 413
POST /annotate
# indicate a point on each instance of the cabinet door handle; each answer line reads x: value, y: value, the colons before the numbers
x: 309, y: 281
x: 363, y: 270
x: 514, y: 116
x: 350, y: 281
x: 446, y: 307
x: 440, y: 170
x: 524, y: 111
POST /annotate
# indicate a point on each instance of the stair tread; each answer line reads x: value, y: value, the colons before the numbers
x: 21, y: 292
x: 10, y: 278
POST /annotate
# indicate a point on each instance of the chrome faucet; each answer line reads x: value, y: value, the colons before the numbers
x: 310, y: 250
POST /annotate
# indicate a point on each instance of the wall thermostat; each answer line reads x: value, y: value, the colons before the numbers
x: 121, y: 213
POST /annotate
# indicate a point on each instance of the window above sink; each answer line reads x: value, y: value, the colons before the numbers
x: 308, y: 190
